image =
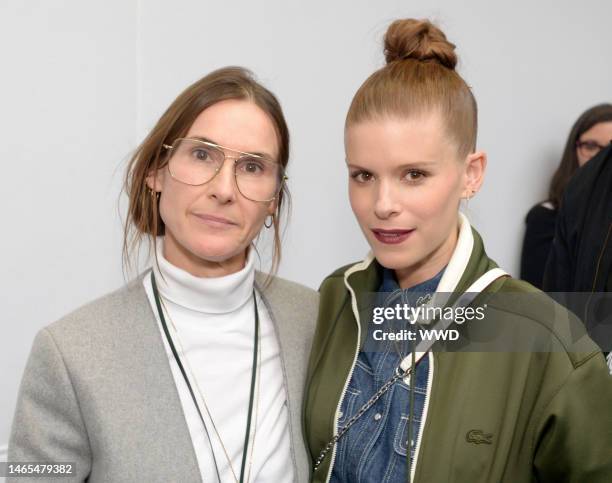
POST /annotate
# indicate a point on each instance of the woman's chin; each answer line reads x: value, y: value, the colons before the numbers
x: 393, y: 261
x: 218, y: 253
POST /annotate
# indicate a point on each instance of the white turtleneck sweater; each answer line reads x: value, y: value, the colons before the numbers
x: 214, y: 320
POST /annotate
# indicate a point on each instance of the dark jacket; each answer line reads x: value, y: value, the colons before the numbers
x: 581, y: 255
x: 539, y: 233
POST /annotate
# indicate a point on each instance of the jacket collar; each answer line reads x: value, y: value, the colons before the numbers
x: 468, y: 262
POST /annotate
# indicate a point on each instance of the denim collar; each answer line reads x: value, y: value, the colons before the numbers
x: 389, y: 282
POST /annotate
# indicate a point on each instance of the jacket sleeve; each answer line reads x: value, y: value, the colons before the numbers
x: 48, y: 426
x: 574, y: 437
x: 560, y: 265
x: 539, y: 233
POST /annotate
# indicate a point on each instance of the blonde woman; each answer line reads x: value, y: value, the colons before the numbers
x: 393, y: 413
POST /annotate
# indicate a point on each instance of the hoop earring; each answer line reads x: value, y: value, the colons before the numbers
x: 271, y: 221
x: 154, y: 194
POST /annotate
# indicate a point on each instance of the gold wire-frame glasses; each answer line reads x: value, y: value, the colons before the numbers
x: 195, y: 162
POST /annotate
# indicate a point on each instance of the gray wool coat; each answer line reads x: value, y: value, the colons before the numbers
x: 98, y: 390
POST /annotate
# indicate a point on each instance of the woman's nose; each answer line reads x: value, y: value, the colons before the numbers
x: 386, y: 203
x: 222, y: 186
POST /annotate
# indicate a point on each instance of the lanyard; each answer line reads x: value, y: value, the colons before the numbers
x: 182, y: 369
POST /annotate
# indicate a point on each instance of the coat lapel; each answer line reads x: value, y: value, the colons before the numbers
x: 160, y: 416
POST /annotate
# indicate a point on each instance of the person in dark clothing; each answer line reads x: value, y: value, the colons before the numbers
x: 539, y: 233
x: 590, y: 133
x: 581, y: 256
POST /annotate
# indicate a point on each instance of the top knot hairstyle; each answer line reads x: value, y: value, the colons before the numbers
x: 419, y: 79
x: 420, y: 40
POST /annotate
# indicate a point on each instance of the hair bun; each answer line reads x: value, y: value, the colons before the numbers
x: 420, y: 40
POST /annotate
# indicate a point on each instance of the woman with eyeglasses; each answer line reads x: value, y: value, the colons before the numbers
x: 195, y: 370
x: 588, y: 136
x: 508, y: 400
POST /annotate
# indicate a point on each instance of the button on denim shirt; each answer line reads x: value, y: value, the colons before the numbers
x: 374, y: 449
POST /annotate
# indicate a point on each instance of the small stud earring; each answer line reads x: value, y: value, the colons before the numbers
x: 469, y: 195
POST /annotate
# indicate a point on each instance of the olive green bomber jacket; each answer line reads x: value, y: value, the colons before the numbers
x: 541, y: 416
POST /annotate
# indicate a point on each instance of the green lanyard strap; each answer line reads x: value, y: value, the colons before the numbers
x: 182, y: 369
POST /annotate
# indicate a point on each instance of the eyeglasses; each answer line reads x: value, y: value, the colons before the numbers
x: 196, y: 162
x: 588, y: 149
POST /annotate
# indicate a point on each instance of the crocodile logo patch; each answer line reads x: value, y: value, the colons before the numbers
x: 477, y: 436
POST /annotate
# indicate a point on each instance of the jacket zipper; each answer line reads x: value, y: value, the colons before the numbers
x: 600, y: 258
x: 346, y: 383
x: 424, y: 416
x: 478, y: 286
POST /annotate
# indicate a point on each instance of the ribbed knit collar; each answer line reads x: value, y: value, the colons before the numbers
x: 216, y: 295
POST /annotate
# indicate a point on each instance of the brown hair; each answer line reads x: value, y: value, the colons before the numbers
x: 227, y: 83
x: 569, y: 159
x: 419, y: 78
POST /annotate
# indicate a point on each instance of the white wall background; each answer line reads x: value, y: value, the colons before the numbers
x: 82, y: 82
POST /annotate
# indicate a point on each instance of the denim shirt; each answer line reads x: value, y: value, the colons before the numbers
x: 374, y: 449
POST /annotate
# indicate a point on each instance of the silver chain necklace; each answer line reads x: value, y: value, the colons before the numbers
x: 399, y: 374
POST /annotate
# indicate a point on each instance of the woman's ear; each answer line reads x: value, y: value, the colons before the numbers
x: 476, y: 164
x: 155, y: 180
x: 272, y: 206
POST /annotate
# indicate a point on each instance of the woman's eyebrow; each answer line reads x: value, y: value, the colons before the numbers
x: 415, y: 164
x: 202, y: 138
